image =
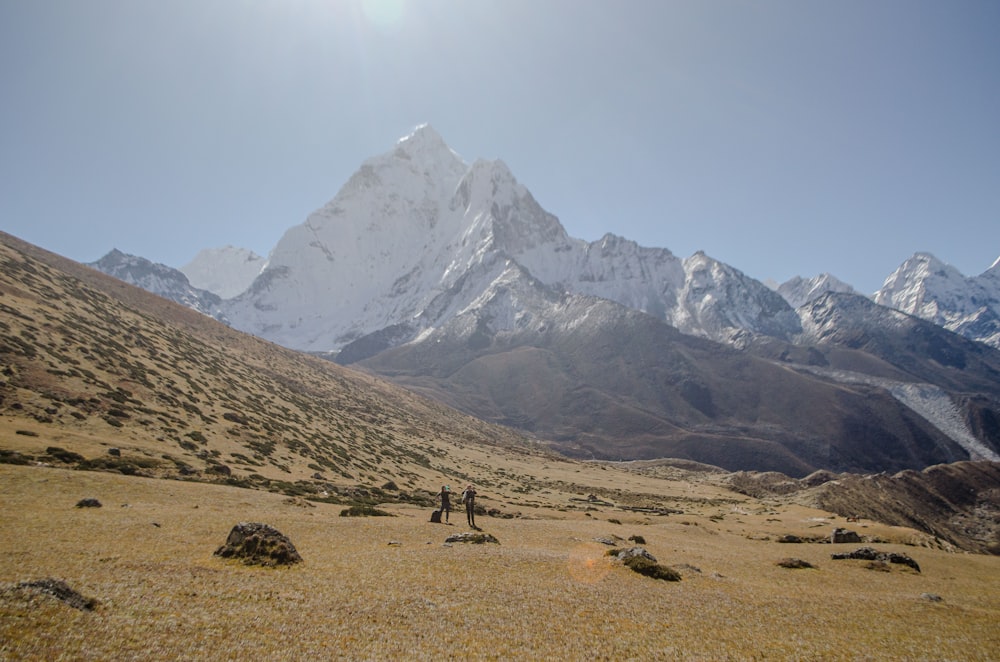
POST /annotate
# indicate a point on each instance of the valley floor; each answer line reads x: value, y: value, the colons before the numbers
x: 391, y: 588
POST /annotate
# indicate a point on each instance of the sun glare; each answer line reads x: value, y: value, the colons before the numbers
x: 385, y: 15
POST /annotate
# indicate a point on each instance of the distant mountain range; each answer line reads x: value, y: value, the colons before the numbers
x: 451, y: 279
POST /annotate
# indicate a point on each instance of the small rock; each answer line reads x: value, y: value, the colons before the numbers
x: 931, y: 597
x: 795, y: 563
x: 632, y: 552
x: 115, y: 451
x: 474, y: 538
x: 89, y: 502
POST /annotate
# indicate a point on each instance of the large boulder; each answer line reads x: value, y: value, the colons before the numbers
x: 844, y: 536
x: 259, y: 544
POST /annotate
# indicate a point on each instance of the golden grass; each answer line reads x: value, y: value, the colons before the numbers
x: 389, y: 588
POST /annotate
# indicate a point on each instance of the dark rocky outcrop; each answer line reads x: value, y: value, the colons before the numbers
x: 474, y: 538
x: 259, y: 544
x: 844, y: 536
x: 59, y: 590
x: 630, y: 553
x: 871, y: 554
x: 637, y: 559
x: 795, y: 564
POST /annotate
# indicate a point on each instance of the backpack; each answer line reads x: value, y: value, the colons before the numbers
x: 436, y: 517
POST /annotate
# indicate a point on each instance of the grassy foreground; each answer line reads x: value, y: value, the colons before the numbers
x: 390, y: 588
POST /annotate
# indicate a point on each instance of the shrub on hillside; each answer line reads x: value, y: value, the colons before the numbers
x: 644, y: 566
x: 364, y: 511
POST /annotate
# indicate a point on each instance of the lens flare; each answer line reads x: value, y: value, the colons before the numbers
x: 588, y: 563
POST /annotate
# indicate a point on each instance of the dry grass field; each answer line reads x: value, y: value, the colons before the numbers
x: 391, y: 588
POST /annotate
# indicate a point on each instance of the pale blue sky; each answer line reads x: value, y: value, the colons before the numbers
x: 784, y: 137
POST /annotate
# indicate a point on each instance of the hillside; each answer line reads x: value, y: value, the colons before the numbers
x: 91, y: 363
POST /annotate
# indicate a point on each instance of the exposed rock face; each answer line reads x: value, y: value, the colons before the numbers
x: 259, y: 544
x: 871, y: 554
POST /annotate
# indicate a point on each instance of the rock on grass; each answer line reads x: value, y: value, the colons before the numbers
x: 259, y: 544
x: 59, y: 590
x: 474, y: 538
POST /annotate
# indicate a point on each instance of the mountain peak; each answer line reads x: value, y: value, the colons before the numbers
x: 423, y: 140
x: 799, y: 291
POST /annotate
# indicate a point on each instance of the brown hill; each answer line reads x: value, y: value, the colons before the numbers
x: 958, y: 503
x: 90, y: 363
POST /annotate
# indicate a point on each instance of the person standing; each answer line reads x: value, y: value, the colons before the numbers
x: 469, y: 499
x: 445, y: 502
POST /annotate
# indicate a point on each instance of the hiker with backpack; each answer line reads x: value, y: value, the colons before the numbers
x: 445, y: 496
x: 469, y: 499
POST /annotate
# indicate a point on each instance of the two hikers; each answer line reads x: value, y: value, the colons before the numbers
x: 468, y: 498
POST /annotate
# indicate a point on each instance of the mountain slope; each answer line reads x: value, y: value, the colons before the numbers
x: 950, y: 381
x: 160, y: 279
x: 90, y: 362
x: 602, y: 381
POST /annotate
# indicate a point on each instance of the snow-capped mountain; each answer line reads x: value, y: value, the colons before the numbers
x: 226, y: 271
x: 402, y: 245
x: 932, y: 290
x: 159, y: 279
x: 799, y: 291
